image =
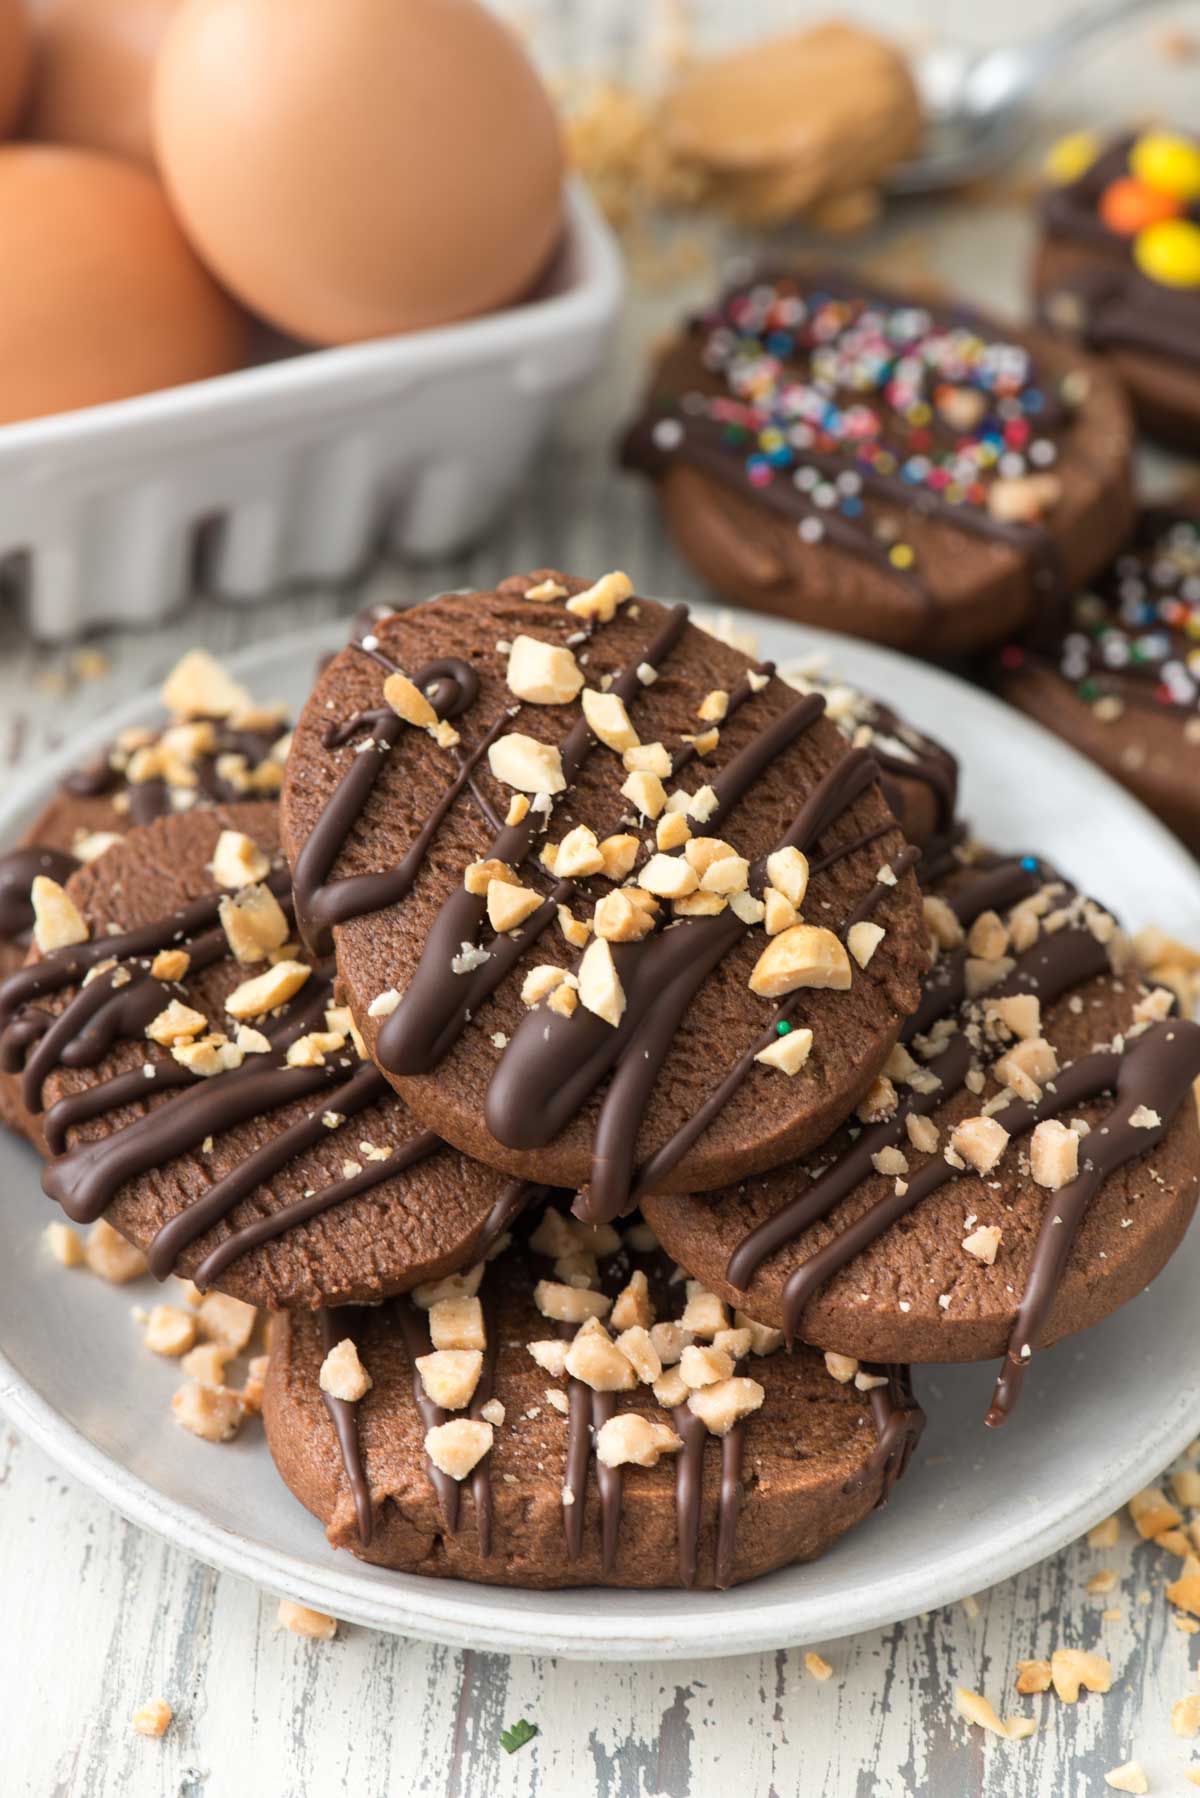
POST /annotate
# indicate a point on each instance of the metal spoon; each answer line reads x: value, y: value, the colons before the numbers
x: 973, y: 99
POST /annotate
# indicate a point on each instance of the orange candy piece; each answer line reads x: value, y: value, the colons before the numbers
x: 1128, y: 205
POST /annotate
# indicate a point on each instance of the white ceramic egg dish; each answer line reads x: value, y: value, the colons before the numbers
x: 299, y: 468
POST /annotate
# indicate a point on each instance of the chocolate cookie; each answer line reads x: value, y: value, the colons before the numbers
x: 260, y: 1156
x: 1119, y: 676
x: 548, y: 904
x: 571, y: 1458
x: 882, y: 464
x: 1118, y: 268
x: 1027, y: 1164
x: 217, y: 746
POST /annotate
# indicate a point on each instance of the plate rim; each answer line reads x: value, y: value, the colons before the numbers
x: 462, y: 1614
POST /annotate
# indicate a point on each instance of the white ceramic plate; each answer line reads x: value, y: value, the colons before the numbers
x: 1100, y: 1416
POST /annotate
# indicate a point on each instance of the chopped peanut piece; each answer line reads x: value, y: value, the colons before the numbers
x: 578, y: 855
x: 806, y: 955
x: 984, y: 1243
x: 942, y: 923
x: 700, y: 1366
x: 541, y: 981
x: 1027, y: 1067
x: 462, y: 1285
x: 596, y: 1360
x: 63, y: 1244
x: 637, y: 1348
x: 629, y: 1439
x: 343, y: 1374
x: 699, y: 905
x: 1072, y: 1669
x: 1152, y: 1513
x: 923, y: 1133
x: 1105, y: 1535
x: 600, y: 988
x: 788, y: 1053
x: 457, y: 1323
x: 618, y: 854
x: 1032, y: 1676
x: 787, y: 871
x: 647, y: 758
x: 704, y: 1314
x: 575, y: 930
x: 310, y: 1051
x: 478, y: 876
x: 254, y: 922
x: 670, y: 1390
x: 608, y: 720
x: 735, y: 1343
x: 408, y: 702
x: 58, y: 921
x: 545, y: 590
x: 719, y: 1407
x: 256, y: 1384
x: 176, y: 1023
x: 300, y: 1621
x: 645, y: 792
x: 632, y: 1304
x: 1185, y: 1716
x: 108, y: 1254
x: 842, y: 1367
x: 569, y: 1304
x: 981, y: 1141
x: 153, y: 1718
x: 1186, y: 1486
x: 1129, y: 1777
x: 619, y: 919
x: 1053, y: 1154
x: 457, y: 1447
x: 198, y: 687
x: 206, y: 1363
x: 450, y: 1376
x: 879, y: 1101
x: 263, y: 992
x: 170, y: 1331
x: 988, y: 936
x: 974, y: 1708
x: 209, y: 1055
x: 669, y: 1342
x: 672, y: 831
x: 170, y: 964
x: 550, y: 1355
x: 238, y: 861
x: 508, y: 905
x: 520, y: 761
x: 728, y: 874
x: 779, y: 913
x: 764, y: 1340
x: 668, y: 876
x: 211, y: 1412
x: 1185, y: 1592
x: 1020, y: 1014
x: 543, y: 673
x: 600, y: 601
x: 862, y: 940
x: 226, y: 1320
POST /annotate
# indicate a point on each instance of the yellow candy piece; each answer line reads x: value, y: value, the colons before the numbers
x: 1071, y: 156
x: 1169, y: 253
x: 1169, y: 162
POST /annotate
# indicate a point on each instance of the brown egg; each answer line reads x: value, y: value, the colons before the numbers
x: 351, y: 168
x: 102, y: 297
x: 16, y: 61
x: 95, y: 61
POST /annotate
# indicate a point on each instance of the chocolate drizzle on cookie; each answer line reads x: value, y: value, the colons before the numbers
x: 1150, y: 1070
x: 115, y: 1003
x: 897, y: 1418
x: 18, y: 870
x: 832, y: 402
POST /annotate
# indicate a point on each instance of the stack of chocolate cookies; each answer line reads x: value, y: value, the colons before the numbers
x: 611, y: 1064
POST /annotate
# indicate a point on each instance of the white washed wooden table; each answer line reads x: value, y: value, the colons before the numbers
x: 96, y: 1616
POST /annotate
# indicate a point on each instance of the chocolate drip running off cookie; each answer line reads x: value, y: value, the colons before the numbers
x: 896, y: 1418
